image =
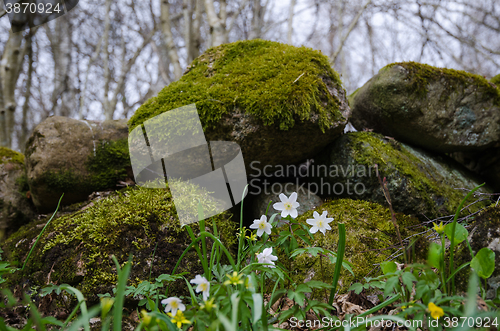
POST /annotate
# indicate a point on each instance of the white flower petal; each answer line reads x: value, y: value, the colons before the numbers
x: 293, y: 198
x: 283, y: 198
x: 279, y: 206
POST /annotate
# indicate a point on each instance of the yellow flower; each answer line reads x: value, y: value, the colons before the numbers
x: 208, y: 305
x: 146, y: 318
x: 106, y: 304
x: 179, y: 319
x: 436, y: 312
x: 439, y: 228
x: 234, y: 279
x: 252, y: 237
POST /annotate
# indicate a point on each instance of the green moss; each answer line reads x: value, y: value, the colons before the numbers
x: 370, y: 239
x: 496, y: 80
x: 9, y: 156
x: 109, y: 164
x: 422, y: 74
x: 395, y: 161
x: 77, y: 248
x: 260, y: 77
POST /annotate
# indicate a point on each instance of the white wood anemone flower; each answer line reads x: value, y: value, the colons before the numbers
x: 287, y: 206
x: 173, y: 304
x: 203, y: 286
x: 262, y: 226
x: 319, y: 222
x: 267, y: 257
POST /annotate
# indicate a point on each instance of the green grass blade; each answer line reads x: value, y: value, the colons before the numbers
x: 37, y: 239
x: 120, y: 293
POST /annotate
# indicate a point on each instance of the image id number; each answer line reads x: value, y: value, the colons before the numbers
x: 32, y: 8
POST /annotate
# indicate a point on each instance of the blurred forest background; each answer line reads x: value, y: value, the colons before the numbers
x: 105, y: 58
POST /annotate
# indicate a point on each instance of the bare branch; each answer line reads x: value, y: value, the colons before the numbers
x: 349, y: 30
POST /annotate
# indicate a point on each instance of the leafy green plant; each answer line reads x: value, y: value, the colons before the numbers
x: 427, y: 291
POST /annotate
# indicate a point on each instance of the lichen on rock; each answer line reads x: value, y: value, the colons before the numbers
x: 440, y: 109
x: 420, y: 183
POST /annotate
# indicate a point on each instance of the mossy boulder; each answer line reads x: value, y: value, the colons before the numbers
x: 280, y: 103
x: 77, y: 248
x: 484, y: 231
x: 75, y: 157
x: 15, y: 207
x: 440, y: 109
x: 370, y: 239
x: 420, y: 183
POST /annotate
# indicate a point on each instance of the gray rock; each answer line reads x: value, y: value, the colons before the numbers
x: 307, y: 200
x: 15, y: 208
x: 75, y: 157
x: 419, y: 182
x: 441, y: 110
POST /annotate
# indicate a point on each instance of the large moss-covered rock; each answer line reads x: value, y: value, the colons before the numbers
x: 77, y: 248
x: 442, y: 110
x: 370, y: 239
x: 280, y: 103
x: 75, y: 157
x: 15, y: 208
x: 419, y: 182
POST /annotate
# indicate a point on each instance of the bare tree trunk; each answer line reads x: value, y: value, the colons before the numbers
x: 216, y: 22
x: 84, y: 89
x: 3, y: 120
x: 23, y: 135
x: 187, y: 12
x: 166, y: 29
x: 63, y: 100
x: 196, y: 38
x: 108, y: 112
x: 257, y: 19
x: 290, y: 22
x: 10, y: 68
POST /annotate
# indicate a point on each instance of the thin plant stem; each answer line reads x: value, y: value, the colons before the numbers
x: 40, y: 235
x: 452, y: 239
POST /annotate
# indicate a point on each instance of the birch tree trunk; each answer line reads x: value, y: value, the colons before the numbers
x: 257, y: 20
x: 166, y: 29
x: 290, y: 22
x: 23, y: 134
x: 63, y: 95
x: 10, y: 68
x: 216, y: 22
